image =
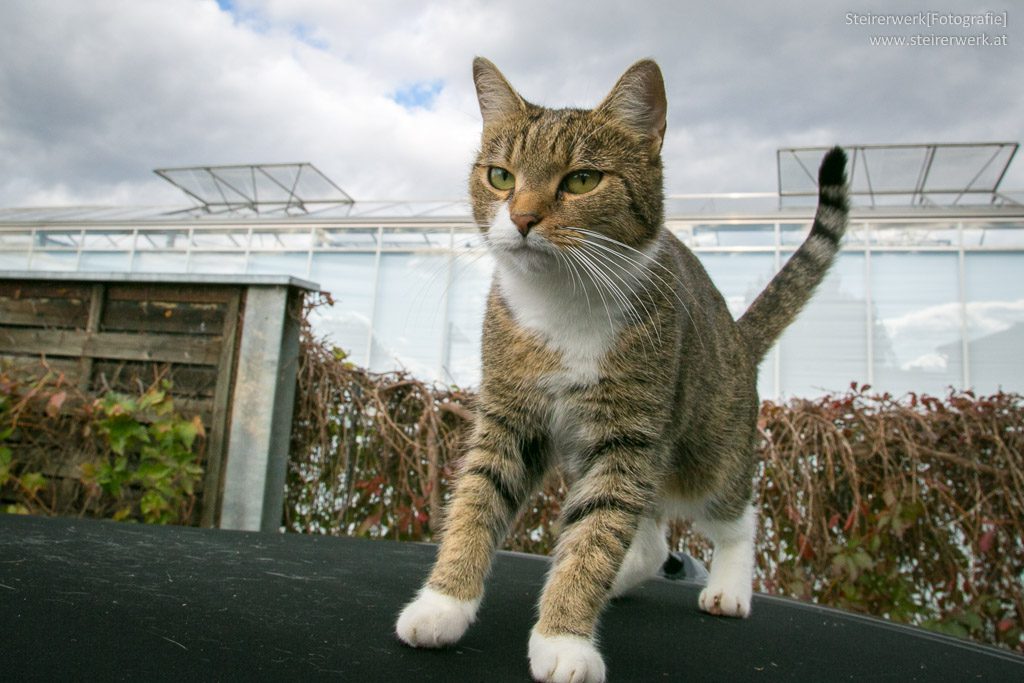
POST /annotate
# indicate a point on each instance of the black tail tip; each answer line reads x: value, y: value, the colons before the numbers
x: 833, y: 168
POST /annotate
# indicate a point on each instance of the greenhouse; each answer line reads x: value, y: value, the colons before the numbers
x: 927, y: 293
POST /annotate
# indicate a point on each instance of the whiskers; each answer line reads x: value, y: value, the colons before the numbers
x: 631, y: 279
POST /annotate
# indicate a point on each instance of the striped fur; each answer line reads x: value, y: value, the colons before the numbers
x: 607, y: 352
x: 777, y: 306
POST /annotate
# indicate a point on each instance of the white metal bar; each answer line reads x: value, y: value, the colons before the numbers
x: 777, y: 360
x: 869, y: 314
x: 445, y: 331
x: 965, y: 347
x: 373, y: 299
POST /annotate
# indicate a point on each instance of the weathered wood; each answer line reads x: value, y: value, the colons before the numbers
x: 181, y: 293
x: 216, y: 445
x: 92, y: 325
x: 118, y: 334
x: 164, y: 316
x: 160, y: 348
x: 44, y: 312
x: 193, y: 381
x: 14, y: 289
x: 28, y: 368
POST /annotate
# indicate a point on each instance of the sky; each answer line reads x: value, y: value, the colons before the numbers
x: 379, y: 95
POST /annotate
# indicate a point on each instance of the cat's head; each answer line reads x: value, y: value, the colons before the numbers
x: 542, y: 174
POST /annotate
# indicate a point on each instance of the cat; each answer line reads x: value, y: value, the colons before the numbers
x: 607, y: 351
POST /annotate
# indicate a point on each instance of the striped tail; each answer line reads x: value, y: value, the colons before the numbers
x: 780, y: 302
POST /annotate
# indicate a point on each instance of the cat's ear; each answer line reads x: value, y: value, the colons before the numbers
x: 497, y: 98
x: 638, y: 99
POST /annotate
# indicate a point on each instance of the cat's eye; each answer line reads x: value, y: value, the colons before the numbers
x: 500, y: 179
x: 581, y: 182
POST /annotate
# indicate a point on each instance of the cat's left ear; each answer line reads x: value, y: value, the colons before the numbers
x: 638, y: 99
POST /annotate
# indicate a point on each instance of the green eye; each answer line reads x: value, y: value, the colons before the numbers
x: 500, y: 179
x: 580, y: 182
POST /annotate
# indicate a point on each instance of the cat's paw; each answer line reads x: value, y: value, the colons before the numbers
x: 565, y: 659
x: 434, y: 619
x: 726, y: 601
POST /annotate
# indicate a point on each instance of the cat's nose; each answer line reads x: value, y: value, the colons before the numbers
x: 525, y: 221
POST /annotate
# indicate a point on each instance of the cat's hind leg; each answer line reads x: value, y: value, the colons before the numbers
x: 729, y: 588
x: 646, y: 555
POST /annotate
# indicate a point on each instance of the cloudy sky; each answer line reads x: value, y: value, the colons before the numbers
x: 95, y: 94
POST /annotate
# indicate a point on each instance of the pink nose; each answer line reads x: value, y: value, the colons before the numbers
x: 525, y: 221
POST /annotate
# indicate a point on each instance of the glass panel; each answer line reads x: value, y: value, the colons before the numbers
x: 198, y: 182
x: 471, y: 281
x: 409, y: 317
x: 314, y: 186
x: 235, y: 182
x: 857, y: 234
x: 266, y: 188
x: 350, y: 280
x: 276, y: 240
x: 887, y: 169
x: 330, y: 238
x: 54, y: 260
x: 798, y: 170
x: 977, y: 167
x: 938, y: 234
x: 281, y: 178
x: 826, y: 347
x: 734, y: 235
x: 161, y: 239
x: 220, y: 239
x: 794, y: 233
x: 683, y: 232
x: 15, y: 239
x: 13, y: 260
x: 287, y: 263
x: 468, y: 240
x: 160, y: 262
x: 916, y: 322
x: 416, y: 238
x: 995, y: 321
x: 993, y: 235
x: 216, y: 262
x: 740, y: 278
x: 102, y: 261
x: 58, y: 239
x: 108, y: 240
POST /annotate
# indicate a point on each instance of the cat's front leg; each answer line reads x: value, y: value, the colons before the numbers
x: 497, y: 477
x: 600, y: 519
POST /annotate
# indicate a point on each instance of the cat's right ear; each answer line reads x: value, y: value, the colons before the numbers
x: 497, y: 98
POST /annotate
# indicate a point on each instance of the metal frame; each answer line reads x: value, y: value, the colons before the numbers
x: 251, y: 200
x: 242, y: 245
x: 917, y: 194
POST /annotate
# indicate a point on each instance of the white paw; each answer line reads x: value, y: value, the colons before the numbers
x: 434, y: 619
x: 564, y: 659
x: 726, y: 601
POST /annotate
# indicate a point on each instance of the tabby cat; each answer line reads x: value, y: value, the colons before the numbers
x: 607, y: 351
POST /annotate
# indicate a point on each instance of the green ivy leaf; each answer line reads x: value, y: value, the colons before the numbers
x: 33, y: 482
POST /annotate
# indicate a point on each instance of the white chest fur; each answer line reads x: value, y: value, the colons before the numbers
x: 578, y: 325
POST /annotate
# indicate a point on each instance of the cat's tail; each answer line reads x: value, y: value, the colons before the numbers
x: 780, y: 302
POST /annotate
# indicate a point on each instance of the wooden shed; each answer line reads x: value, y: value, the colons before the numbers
x: 229, y: 345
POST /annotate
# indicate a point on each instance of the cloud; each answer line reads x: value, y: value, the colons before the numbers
x: 983, y: 318
x: 379, y: 95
